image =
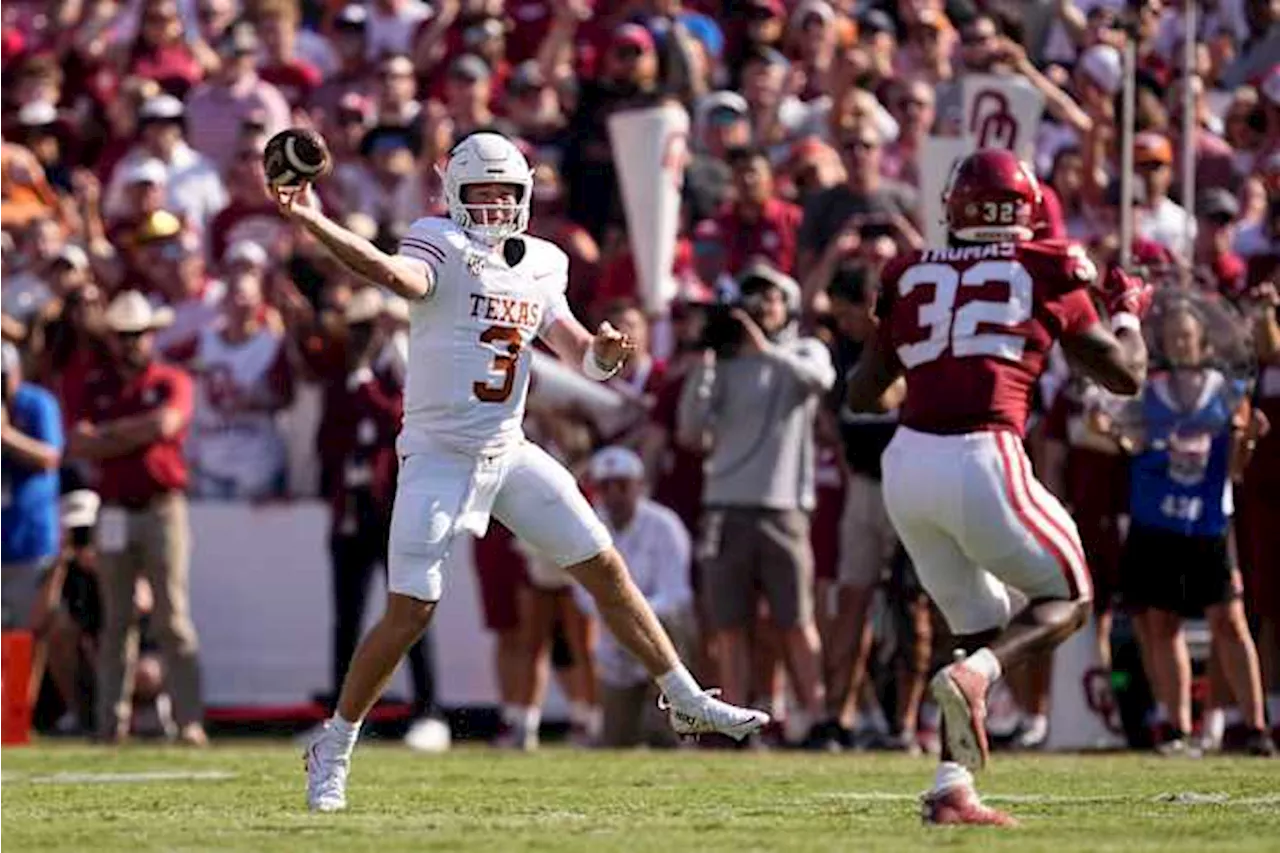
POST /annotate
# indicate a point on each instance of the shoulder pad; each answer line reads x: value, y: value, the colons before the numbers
x: 1079, y: 268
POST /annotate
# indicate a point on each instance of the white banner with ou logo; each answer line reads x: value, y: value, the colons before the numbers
x: 1001, y: 112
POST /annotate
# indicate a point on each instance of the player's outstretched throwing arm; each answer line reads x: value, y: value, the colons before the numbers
x: 1116, y: 359
x: 404, y: 276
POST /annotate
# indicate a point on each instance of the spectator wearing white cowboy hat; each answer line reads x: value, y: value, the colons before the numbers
x: 132, y: 426
x: 656, y: 545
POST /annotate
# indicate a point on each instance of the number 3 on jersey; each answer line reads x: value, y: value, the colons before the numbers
x: 494, y: 338
x: 958, y: 327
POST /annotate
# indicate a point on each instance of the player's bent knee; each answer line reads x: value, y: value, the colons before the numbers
x: 1067, y: 614
x: 407, y: 614
x: 970, y: 643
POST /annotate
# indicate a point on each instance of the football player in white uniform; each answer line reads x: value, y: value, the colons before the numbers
x: 479, y: 294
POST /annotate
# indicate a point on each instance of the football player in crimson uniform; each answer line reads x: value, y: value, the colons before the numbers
x: 967, y: 328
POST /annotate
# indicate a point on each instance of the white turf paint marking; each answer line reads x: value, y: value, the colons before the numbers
x: 1182, y: 798
x: 127, y: 778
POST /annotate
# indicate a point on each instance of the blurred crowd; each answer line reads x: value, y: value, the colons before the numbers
x: 169, y: 335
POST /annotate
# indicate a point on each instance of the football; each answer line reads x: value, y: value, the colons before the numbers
x: 295, y: 156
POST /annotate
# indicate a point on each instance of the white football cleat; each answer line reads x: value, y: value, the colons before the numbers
x: 429, y: 734
x: 707, y: 714
x: 327, y: 767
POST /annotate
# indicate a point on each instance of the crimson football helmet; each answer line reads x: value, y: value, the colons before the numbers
x: 992, y: 197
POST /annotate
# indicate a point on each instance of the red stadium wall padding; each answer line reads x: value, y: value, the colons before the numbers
x: 15, y: 673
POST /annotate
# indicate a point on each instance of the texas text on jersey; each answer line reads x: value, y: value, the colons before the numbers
x: 972, y: 327
x: 467, y: 340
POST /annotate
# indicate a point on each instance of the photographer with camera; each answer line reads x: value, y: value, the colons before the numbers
x: 751, y: 404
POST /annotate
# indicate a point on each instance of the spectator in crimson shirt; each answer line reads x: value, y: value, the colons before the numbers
x: 533, y: 20
x: 132, y: 426
x: 162, y: 52
x: 296, y: 78
x: 250, y: 213
x: 758, y: 223
x: 619, y: 276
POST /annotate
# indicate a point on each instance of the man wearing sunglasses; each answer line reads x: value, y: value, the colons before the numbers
x: 865, y: 193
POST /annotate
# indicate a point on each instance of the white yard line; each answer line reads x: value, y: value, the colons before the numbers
x: 122, y: 778
x: 1186, y: 798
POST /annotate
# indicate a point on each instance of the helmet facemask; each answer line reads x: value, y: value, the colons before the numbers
x: 492, y: 222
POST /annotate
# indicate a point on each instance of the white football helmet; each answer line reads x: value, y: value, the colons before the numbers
x: 487, y: 158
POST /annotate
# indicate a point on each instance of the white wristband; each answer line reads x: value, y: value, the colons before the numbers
x: 592, y: 368
x: 1125, y: 320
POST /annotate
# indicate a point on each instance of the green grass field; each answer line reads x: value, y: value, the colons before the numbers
x: 248, y: 796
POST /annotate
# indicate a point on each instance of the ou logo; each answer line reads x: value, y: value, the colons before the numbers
x: 992, y: 124
x: 675, y: 155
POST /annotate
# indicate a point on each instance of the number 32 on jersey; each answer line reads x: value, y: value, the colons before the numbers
x: 957, y: 328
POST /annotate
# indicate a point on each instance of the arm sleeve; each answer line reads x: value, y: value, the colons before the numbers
x: 422, y: 244
x: 555, y: 278
x: 695, y: 414
x: 181, y: 395
x: 809, y: 361
x: 1074, y: 311
x: 47, y: 423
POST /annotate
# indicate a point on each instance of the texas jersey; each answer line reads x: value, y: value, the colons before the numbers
x: 973, y: 325
x: 1181, y: 480
x: 468, y: 371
